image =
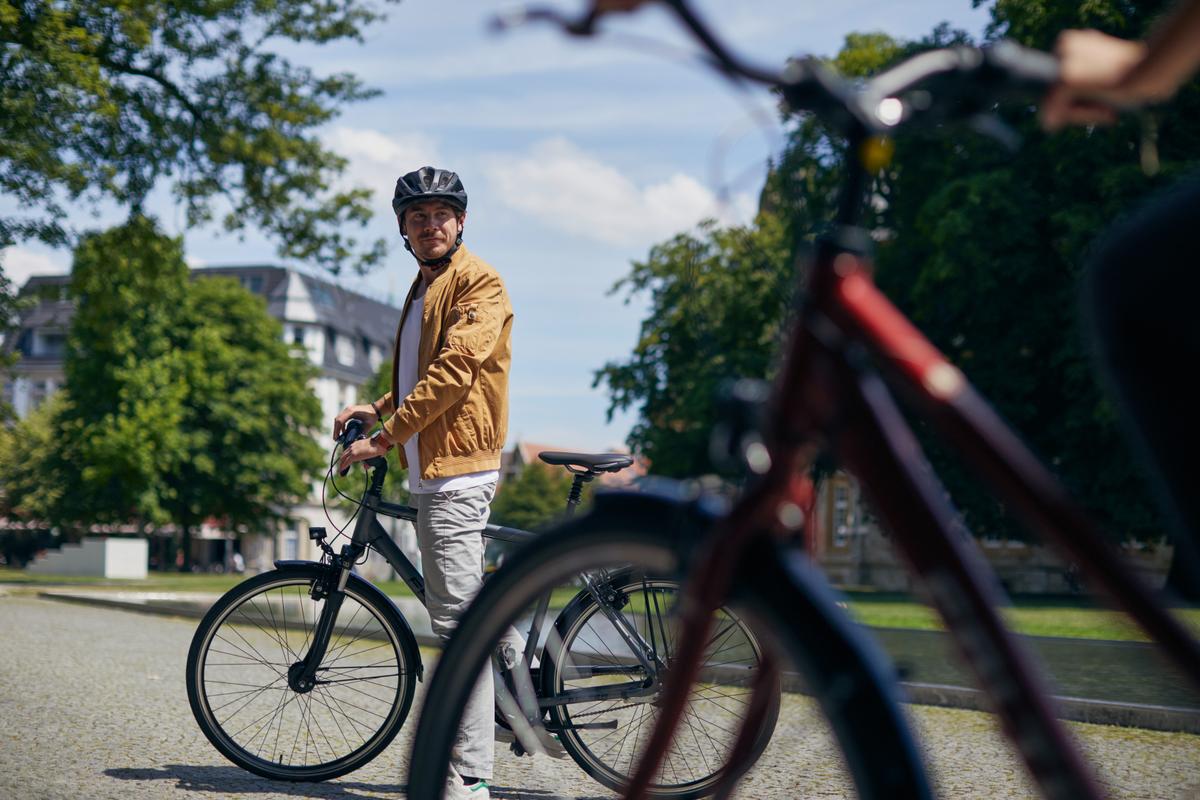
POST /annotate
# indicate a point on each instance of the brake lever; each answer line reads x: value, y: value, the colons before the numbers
x: 523, y: 15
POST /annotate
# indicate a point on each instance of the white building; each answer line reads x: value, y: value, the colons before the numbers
x: 346, y: 336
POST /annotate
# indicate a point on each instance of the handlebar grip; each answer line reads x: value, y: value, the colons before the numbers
x: 351, y: 434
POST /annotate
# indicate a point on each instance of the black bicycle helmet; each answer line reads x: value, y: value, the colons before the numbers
x: 429, y: 183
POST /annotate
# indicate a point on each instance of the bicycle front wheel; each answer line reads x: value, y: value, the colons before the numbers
x: 238, y: 677
x: 589, y: 652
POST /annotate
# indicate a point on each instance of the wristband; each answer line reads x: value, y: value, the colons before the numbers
x: 378, y: 416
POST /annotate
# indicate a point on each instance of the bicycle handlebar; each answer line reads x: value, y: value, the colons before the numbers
x: 967, y: 79
x: 350, y: 434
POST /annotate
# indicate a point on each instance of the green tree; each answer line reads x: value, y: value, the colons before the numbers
x: 25, y: 447
x: 533, y: 499
x: 181, y: 400
x: 105, y: 100
x: 986, y: 255
x: 248, y: 418
x: 981, y: 247
x: 119, y: 427
x: 717, y: 303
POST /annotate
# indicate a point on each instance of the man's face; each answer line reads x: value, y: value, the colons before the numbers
x: 432, y: 226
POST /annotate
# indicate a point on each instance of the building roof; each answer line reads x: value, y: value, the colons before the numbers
x: 292, y: 297
x: 297, y: 297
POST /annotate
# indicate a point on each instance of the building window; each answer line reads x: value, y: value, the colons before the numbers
x: 255, y: 284
x: 843, y: 514
x: 38, y: 392
x: 49, y: 344
x: 344, y: 349
x: 297, y: 335
x: 289, y: 545
x: 320, y: 295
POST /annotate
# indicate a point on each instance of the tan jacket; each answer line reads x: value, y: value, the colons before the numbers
x: 460, y: 402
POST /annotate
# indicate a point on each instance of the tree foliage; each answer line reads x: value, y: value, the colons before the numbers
x: 718, y: 300
x: 181, y: 400
x: 25, y: 451
x: 981, y: 247
x: 105, y: 100
x: 533, y: 499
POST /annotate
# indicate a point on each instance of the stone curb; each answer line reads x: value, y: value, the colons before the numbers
x: 1076, y: 709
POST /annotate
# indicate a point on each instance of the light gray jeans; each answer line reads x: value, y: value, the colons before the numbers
x: 450, y: 535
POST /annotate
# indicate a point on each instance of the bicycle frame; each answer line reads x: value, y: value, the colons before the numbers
x: 827, y: 395
x: 368, y: 532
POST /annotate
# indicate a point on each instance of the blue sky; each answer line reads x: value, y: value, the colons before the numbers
x: 578, y: 155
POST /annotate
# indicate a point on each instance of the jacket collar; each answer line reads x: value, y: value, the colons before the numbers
x: 439, y: 281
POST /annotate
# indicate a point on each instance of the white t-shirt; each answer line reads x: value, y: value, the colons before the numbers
x: 410, y: 342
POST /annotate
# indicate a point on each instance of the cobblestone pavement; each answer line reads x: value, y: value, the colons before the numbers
x: 92, y: 705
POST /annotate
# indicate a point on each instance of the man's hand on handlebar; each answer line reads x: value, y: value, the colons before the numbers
x: 362, y: 450
x: 363, y: 412
x: 1093, y: 79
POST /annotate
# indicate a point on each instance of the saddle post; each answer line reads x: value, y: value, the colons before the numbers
x: 576, y: 495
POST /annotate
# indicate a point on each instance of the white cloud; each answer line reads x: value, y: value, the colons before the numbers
x: 19, y: 264
x: 569, y: 189
x: 377, y: 159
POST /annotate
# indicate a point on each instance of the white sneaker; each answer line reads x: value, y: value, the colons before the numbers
x: 457, y: 790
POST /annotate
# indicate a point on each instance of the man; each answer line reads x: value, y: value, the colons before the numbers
x: 448, y: 410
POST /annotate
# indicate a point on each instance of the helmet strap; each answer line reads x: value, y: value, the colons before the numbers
x: 436, y: 263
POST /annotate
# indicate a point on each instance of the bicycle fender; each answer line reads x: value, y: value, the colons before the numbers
x: 366, y: 587
x: 672, y: 507
x: 405, y: 629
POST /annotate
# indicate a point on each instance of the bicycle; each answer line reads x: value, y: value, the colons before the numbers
x: 307, y: 672
x: 849, y: 350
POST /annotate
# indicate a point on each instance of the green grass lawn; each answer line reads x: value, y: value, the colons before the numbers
x: 187, y: 582
x: 1038, y: 616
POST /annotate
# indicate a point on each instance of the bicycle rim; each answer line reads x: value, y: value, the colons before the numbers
x: 592, y: 653
x: 550, y: 561
x: 238, y: 681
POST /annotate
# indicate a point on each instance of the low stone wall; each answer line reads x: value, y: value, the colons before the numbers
x: 1023, y: 567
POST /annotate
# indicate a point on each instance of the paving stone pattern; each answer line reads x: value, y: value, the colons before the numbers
x: 93, y: 705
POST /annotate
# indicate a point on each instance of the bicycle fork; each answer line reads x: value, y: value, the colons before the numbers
x: 331, y: 588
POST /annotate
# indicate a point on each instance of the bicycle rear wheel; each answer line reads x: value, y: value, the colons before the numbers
x: 238, y: 668
x: 603, y: 735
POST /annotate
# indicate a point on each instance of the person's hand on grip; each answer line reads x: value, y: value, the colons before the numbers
x: 364, y: 412
x: 1094, y: 79
x: 362, y: 450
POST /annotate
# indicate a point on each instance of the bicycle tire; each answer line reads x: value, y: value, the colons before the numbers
x: 572, y: 549
x: 843, y: 669
x: 255, y: 632
x: 730, y: 660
